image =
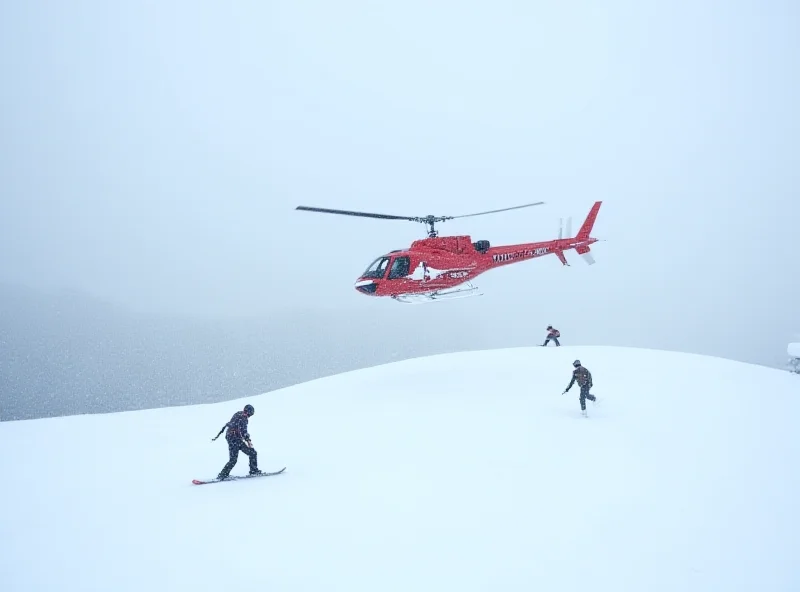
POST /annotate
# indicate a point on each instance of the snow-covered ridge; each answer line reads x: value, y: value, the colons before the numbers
x: 464, y: 472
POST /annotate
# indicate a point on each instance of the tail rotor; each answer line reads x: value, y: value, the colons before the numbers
x: 561, y: 230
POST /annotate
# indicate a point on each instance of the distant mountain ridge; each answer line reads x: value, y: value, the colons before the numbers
x: 66, y: 354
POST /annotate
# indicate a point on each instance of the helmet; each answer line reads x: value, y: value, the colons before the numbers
x: 576, y: 363
x: 249, y: 410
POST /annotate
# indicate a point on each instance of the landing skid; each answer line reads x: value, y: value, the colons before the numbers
x: 465, y: 290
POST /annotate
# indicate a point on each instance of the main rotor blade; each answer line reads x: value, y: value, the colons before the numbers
x: 351, y: 213
x: 538, y: 203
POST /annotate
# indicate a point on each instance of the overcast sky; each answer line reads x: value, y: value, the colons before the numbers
x: 152, y: 153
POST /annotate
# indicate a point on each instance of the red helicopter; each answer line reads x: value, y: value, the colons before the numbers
x: 438, y: 268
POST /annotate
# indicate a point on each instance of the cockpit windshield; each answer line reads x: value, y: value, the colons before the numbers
x: 377, y: 269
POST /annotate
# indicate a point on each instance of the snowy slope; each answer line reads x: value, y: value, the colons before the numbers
x: 461, y: 472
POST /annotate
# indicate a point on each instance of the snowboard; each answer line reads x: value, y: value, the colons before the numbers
x: 236, y: 478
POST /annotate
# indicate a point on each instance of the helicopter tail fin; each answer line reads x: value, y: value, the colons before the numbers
x: 586, y: 228
x: 585, y: 233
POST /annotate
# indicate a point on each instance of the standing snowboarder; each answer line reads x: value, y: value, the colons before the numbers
x: 583, y: 377
x: 552, y: 334
x: 239, y: 441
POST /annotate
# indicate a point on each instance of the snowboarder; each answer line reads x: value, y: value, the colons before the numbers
x: 552, y: 334
x: 239, y: 440
x: 583, y: 377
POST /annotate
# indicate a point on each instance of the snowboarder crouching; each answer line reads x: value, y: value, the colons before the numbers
x: 583, y: 377
x: 552, y: 334
x: 239, y: 441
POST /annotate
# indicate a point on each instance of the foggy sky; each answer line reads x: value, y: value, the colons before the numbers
x: 152, y: 155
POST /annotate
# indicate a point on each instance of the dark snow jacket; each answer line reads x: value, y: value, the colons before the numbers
x: 237, y: 427
x: 582, y: 376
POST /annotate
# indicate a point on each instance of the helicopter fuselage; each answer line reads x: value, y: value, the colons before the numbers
x: 432, y: 265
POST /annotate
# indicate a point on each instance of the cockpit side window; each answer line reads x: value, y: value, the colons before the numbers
x: 376, y: 269
x: 400, y: 267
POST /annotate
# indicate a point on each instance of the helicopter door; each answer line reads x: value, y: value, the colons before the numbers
x: 400, y: 268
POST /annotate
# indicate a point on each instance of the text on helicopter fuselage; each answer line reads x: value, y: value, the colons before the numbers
x: 520, y: 254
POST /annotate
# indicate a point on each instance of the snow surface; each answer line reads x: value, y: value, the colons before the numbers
x: 460, y: 472
x: 793, y: 350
